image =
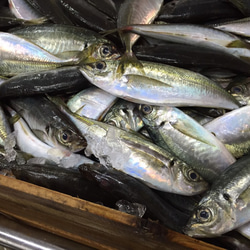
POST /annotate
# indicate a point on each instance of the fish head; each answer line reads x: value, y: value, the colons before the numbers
x: 70, y: 139
x: 187, y: 180
x: 154, y: 115
x: 100, y: 73
x: 123, y: 115
x: 210, y: 219
x: 100, y: 51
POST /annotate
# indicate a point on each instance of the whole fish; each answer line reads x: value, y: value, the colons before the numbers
x: 204, y: 37
x: 158, y: 84
x: 123, y: 115
x: 48, y: 123
x: 136, y: 12
x: 92, y: 102
x: 65, y: 80
x: 58, y: 39
x: 18, y: 55
x: 29, y: 143
x: 123, y: 186
x: 133, y: 155
x: 232, y: 129
x: 226, y: 205
x: 181, y: 135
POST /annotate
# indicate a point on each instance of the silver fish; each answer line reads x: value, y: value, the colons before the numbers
x: 204, y: 36
x: 226, y: 206
x: 29, y: 143
x: 232, y: 129
x: 158, y: 84
x: 181, y: 135
x: 48, y: 123
x: 18, y: 55
x: 93, y: 103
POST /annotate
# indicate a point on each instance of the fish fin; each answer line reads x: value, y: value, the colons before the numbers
x: 190, y: 131
x: 37, y: 21
x: 129, y: 60
x: 108, y: 32
x: 238, y: 44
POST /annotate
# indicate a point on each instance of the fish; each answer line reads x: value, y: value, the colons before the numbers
x: 158, y: 85
x: 92, y: 102
x: 185, y: 138
x: 204, y: 37
x: 133, y: 155
x: 18, y: 55
x: 65, y: 80
x: 226, y: 206
x: 123, y: 115
x: 58, y: 39
x: 232, y: 129
x: 123, y: 186
x: 30, y: 144
x: 48, y: 123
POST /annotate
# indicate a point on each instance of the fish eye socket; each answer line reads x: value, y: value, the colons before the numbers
x: 204, y: 214
x: 101, y: 65
x: 146, y: 109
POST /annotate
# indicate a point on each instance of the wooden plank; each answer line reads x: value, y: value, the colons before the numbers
x: 85, y: 222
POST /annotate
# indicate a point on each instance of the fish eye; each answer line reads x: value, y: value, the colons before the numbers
x: 236, y: 89
x: 101, y: 65
x: 146, y: 109
x: 105, y: 50
x: 226, y: 196
x: 65, y: 136
x: 204, y: 214
x: 193, y: 175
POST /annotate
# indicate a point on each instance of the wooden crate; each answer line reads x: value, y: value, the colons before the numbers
x: 85, y: 222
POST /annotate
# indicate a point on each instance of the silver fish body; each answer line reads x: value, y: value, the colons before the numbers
x: 29, y: 143
x: 93, y: 103
x: 158, y: 84
x: 59, y: 38
x: 204, y: 36
x: 178, y: 133
x: 232, y: 129
x: 132, y: 154
x: 226, y: 205
x: 18, y: 55
x: 48, y: 123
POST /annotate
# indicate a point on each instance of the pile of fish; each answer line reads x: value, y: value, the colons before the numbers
x: 140, y: 105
